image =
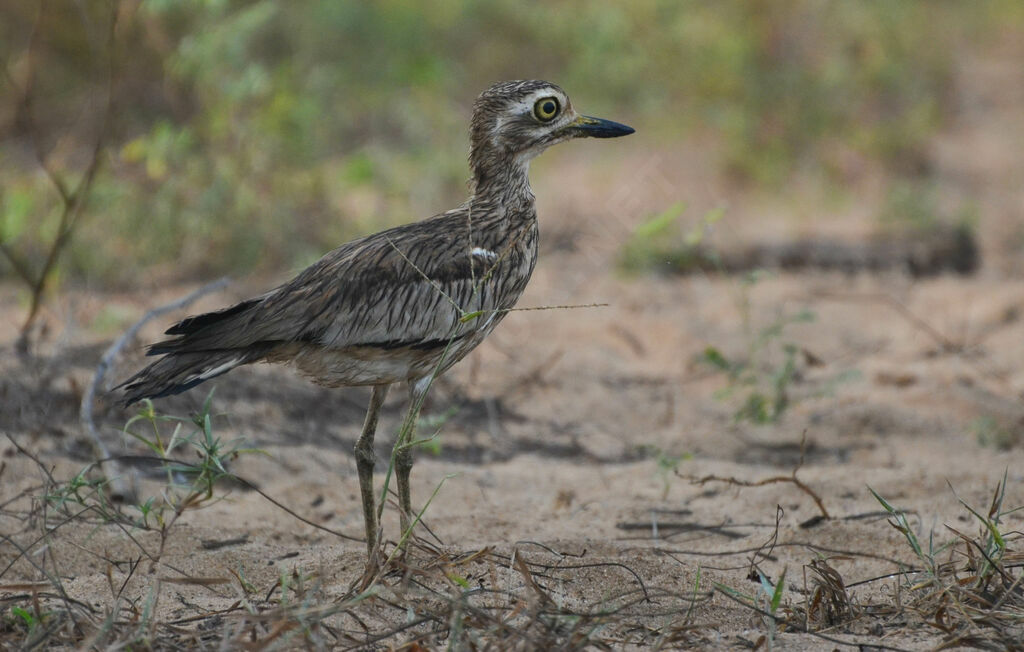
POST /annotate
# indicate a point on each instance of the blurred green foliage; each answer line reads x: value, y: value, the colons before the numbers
x: 660, y: 245
x: 259, y: 134
x: 762, y: 379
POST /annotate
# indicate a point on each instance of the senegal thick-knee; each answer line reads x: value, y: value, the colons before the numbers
x: 402, y: 305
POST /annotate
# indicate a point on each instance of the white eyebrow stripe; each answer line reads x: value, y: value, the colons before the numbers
x: 483, y: 253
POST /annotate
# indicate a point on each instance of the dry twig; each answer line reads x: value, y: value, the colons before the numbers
x: 791, y: 479
x: 72, y: 200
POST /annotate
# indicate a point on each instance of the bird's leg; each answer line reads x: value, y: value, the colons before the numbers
x: 364, y: 465
x: 403, y: 453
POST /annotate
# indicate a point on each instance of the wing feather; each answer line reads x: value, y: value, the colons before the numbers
x: 404, y: 286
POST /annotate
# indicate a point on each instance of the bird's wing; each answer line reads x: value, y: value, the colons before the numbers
x: 407, y: 286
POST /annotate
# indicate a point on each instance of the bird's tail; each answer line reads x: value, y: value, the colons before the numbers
x: 204, y: 346
x: 177, y: 372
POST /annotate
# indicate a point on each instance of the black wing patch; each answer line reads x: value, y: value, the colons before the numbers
x: 192, y: 324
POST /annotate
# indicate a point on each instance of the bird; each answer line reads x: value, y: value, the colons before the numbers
x: 402, y: 305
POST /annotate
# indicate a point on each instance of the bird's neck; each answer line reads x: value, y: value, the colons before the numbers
x: 502, y: 180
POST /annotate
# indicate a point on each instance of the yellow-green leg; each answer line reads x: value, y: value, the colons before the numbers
x: 365, y: 460
x: 403, y: 452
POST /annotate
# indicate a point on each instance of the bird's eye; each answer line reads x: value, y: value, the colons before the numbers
x: 546, y: 109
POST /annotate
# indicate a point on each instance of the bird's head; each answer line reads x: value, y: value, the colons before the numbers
x: 515, y: 121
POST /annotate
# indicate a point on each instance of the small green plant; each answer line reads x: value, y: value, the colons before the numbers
x: 992, y: 544
x: 694, y: 597
x: 85, y: 499
x: 27, y: 619
x: 659, y: 245
x: 991, y: 433
x: 432, y: 444
x: 898, y: 520
x: 773, y: 598
x: 86, y: 492
x: 763, y: 377
x: 188, y: 484
x: 766, y: 603
x: 773, y: 593
x: 666, y: 464
x: 977, y: 590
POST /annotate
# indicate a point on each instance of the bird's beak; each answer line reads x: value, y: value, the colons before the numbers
x: 597, y: 128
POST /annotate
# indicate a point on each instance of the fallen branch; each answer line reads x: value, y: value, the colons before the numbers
x: 944, y: 249
x: 791, y: 479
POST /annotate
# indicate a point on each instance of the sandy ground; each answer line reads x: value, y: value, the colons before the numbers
x: 552, y: 431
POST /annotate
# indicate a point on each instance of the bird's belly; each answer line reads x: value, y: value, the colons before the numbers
x: 374, y: 365
x: 355, y: 366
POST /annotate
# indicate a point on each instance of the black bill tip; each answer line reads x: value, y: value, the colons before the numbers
x: 599, y: 127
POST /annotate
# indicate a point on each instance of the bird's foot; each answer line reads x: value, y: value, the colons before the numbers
x: 371, y: 573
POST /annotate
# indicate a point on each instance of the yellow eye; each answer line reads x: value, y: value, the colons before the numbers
x: 546, y: 109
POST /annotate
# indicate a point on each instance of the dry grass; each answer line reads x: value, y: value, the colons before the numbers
x: 974, y: 596
x: 523, y: 596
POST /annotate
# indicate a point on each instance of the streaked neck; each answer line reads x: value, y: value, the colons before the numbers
x: 504, y: 181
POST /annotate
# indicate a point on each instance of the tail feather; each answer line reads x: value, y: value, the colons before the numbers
x: 205, y: 346
x: 212, y: 330
x: 195, y: 323
x: 178, y: 372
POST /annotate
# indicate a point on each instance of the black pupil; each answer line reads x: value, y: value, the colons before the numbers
x: 548, y: 108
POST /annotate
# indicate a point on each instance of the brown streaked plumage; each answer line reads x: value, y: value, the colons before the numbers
x: 401, y: 305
